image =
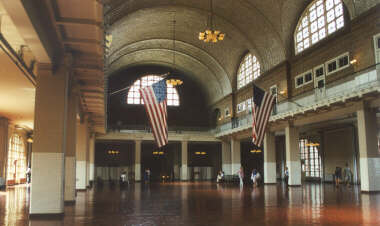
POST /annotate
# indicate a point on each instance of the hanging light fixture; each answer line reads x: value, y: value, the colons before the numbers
x: 211, y: 35
x: 174, y: 82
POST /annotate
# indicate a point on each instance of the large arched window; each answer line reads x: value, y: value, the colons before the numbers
x: 134, y: 97
x: 16, y: 161
x: 320, y: 19
x: 249, y: 70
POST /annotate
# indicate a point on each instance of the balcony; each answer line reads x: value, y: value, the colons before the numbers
x: 354, y: 86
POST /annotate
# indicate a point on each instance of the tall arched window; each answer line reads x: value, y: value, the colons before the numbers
x: 249, y: 70
x: 320, y: 19
x: 134, y: 97
x: 16, y: 161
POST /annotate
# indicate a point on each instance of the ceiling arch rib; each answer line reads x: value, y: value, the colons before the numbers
x: 198, y: 54
x: 131, y: 29
x: 257, y: 23
x: 163, y: 57
x: 260, y: 39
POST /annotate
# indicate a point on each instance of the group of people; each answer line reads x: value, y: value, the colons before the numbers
x: 255, y: 177
x: 347, y: 173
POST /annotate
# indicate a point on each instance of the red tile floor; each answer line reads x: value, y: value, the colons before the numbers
x: 204, y: 203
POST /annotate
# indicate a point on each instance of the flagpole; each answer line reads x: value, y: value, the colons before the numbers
x: 299, y: 105
x: 125, y: 88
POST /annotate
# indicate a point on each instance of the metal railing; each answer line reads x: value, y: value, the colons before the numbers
x: 360, y: 82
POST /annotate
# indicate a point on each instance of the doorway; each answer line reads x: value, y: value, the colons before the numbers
x: 252, y: 157
x: 160, y: 161
x: 16, y: 168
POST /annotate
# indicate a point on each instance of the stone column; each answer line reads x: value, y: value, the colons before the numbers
x: 368, y: 152
x: 81, y: 155
x: 184, y: 166
x: 235, y: 156
x: 3, y: 148
x: 70, y: 159
x: 137, y: 160
x: 226, y: 158
x: 88, y: 157
x: 92, y: 158
x: 293, y: 161
x: 269, y: 158
x: 48, y: 157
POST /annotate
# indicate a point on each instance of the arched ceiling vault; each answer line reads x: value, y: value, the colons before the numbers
x: 184, y: 52
x: 151, y: 27
x: 265, y: 28
x: 184, y: 62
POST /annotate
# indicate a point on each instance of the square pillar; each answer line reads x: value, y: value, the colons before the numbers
x: 235, y: 156
x: 81, y: 154
x: 226, y: 158
x: 92, y: 158
x: 48, y: 157
x: 293, y: 161
x: 269, y: 158
x: 368, y: 150
x: 4, y: 124
x: 137, y: 160
x: 184, y: 166
x: 88, y: 156
x: 70, y: 158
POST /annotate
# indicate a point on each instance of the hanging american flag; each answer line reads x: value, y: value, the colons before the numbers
x: 261, y: 109
x: 154, y: 97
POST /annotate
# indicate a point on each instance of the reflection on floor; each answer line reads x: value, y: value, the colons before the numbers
x: 204, y: 203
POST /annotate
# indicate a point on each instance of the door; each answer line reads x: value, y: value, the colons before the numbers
x: 319, y: 82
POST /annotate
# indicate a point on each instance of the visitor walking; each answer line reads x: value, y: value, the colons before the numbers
x: 286, y: 176
x: 347, y: 175
x: 338, y: 175
x: 255, y: 177
x: 241, y: 176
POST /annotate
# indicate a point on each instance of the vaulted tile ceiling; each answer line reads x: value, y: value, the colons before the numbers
x: 142, y: 32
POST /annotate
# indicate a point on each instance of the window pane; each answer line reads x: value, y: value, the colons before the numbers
x: 343, y: 61
x: 134, y: 97
x: 331, y: 66
x: 308, y: 77
x: 249, y: 70
x: 312, y: 27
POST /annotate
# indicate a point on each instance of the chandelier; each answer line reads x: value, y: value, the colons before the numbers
x: 211, y: 35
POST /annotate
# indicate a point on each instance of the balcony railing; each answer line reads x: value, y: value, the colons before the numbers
x: 359, y: 83
x: 148, y: 129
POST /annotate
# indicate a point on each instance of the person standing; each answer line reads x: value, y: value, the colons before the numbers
x: 286, y: 176
x: 255, y: 177
x: 347, y: 175
x: 241, y: 176
x: 338, y: 175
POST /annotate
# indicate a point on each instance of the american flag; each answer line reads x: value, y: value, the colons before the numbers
x: 261, y: 109
x: 154, y: 97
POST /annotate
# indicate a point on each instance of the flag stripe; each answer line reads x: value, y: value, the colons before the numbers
x: 265, y: 119
x: 148, y: 106
x: 157, y: 112
x: 263, y: 116
x: 260, y: 114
